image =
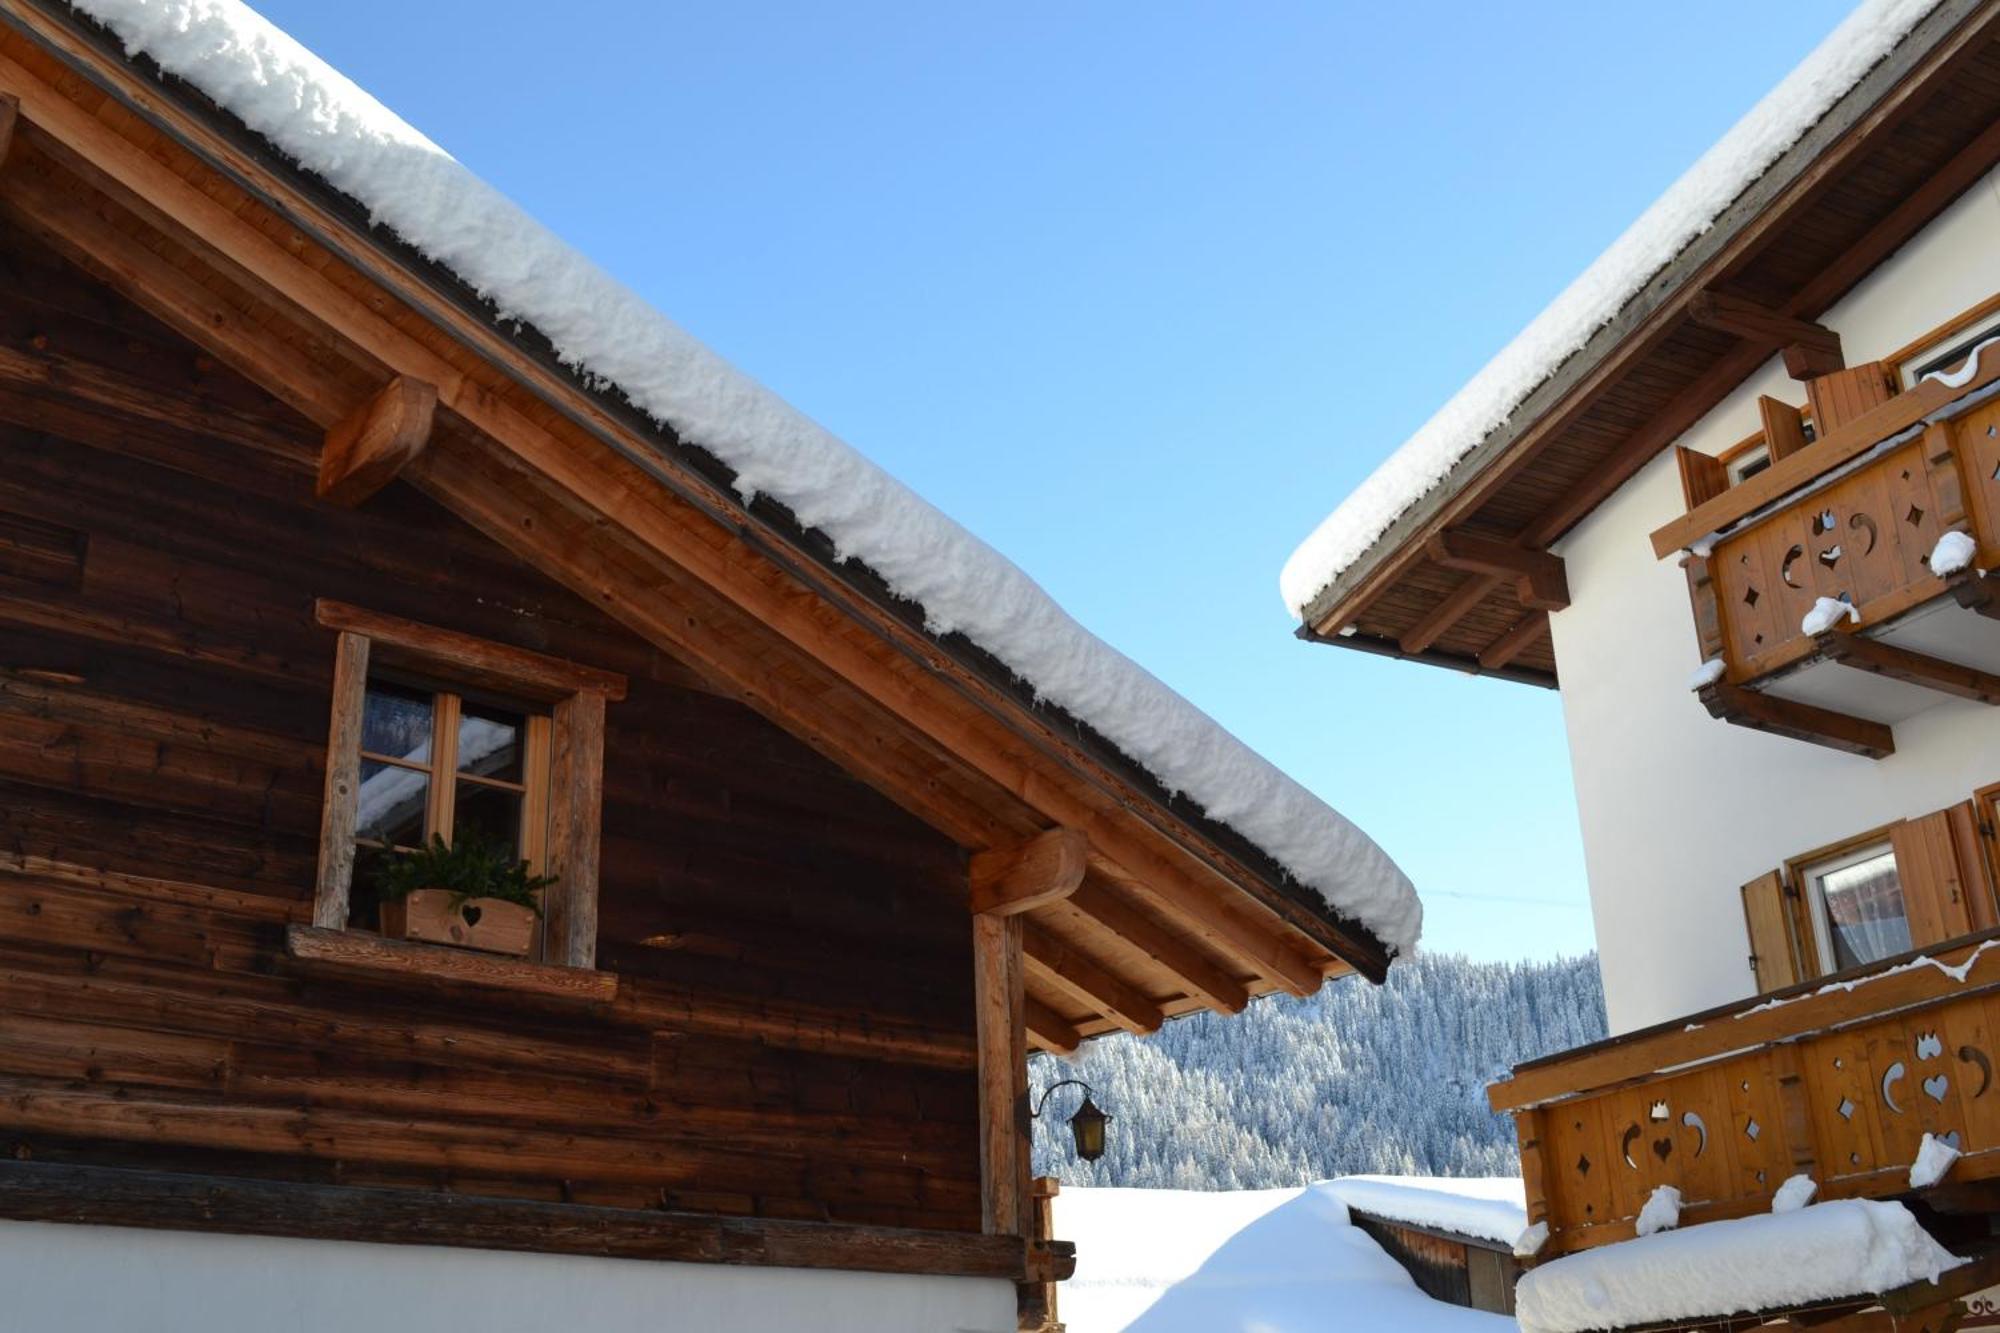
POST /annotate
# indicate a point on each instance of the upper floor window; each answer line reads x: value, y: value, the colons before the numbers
x: 1952, y: 355
x: 1856, y: 899
x: 441, y: 764
x: 440, y: 736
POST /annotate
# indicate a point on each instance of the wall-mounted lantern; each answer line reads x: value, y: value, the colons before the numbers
x: 1086, y: 1125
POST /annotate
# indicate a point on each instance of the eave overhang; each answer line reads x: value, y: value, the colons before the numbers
x: 1050, y: 766
x: 1916, y: 132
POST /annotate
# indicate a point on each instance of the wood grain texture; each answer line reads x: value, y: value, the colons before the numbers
x: 364, y: 451
x: 1046, y: 869
x: 100, y: 1196
x: 339, y: 820
x: 353, y: 953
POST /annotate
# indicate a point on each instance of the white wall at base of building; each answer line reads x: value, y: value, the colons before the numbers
x: 78, y: 1279
x: 1680, y: 810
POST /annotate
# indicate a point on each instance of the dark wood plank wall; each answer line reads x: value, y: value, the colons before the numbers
x: 163, y: 716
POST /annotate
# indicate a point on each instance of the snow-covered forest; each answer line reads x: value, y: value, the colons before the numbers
x: 1357, y: 1078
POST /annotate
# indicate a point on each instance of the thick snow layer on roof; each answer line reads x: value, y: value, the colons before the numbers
x: 1688, y: 208
x: 410, y: 186
x: 1487, y: 1207
x: 1237, y: 1261
x: 1773, y: 1261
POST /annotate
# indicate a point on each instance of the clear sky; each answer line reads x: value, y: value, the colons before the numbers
x: 1135, y: 291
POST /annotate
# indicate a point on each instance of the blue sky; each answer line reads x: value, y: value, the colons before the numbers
x: 1136, y: 292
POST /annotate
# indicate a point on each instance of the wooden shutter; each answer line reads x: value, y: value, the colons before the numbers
x: 1702, y: 478
x: 1784, y: 428
x: 1774, y: 954
x: 1937, y: 890
x: 1845, y: 394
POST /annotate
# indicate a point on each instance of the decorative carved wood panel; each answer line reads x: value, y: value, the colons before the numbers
x: 1729, y: 1133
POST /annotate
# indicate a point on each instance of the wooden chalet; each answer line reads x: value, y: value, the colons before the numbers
x: 306, y: 553
x: 1777, y: 464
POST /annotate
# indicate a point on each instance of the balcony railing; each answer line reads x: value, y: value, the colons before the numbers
x: 1853, y: 516
x: 1839, y: 1079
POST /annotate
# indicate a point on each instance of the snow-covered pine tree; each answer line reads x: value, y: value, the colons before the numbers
x: 1357, y: 1078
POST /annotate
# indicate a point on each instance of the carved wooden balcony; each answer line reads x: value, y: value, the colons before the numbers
x: 1836, y: 1080
x: 1853, y: 516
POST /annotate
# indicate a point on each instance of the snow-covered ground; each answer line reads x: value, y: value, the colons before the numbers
x: 1242, y: 1261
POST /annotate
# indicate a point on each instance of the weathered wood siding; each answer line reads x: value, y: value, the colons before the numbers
x: 793, y: 1032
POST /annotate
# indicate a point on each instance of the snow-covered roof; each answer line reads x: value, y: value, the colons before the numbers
x: 1484, y: 1207
x: 1690, y: 206
x: 1775, y: 1261
x: 1277, y: 1261
x: 604, y: 331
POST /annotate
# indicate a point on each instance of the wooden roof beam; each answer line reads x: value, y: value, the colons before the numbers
x: 1178, y: 868
x: 1797, y: 721
x: 1057, y: 964
x: 1455, y: 607
x: 1515, y: 641
x: 1049, y: 1029
x: 1541, y: 578
x: 1913, y: 668
x: 1045, y: 869
x: 1202, y: 978
x: 1809, y: 349
x: 365, y: 450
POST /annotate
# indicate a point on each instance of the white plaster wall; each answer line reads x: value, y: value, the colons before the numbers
x: 1679, y: 810
x: 74, y: 1279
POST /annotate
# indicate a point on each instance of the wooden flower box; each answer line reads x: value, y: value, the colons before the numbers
x: 489, y: 924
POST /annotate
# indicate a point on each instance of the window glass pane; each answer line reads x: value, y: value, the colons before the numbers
x: 1864, y: 910
x: 397, y: 722
x: 393, y: 801
x: 489, y: 742
x: 492, y: 813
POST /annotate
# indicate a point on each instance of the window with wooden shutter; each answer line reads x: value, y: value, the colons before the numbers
x: 1941, y: 885
x: 1774, y: 955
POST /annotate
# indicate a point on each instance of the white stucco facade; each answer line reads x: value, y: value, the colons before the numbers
x: 78, y: 1279
x: 1678, y: 810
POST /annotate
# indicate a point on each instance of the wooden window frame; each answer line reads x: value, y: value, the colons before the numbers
x: 1798, y: 890
x: 1986, y: 817
x: 446, y: 777
x: 575, y: 696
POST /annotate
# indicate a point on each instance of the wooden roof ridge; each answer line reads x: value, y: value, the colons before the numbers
x: 1703, y: 323
x: 697, y: 477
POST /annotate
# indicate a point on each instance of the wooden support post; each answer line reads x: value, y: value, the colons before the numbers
x: 1045, y: 869
x: 364, y: 451
x: 1536, y: 1183
x: 576, y: 784
x: 1912, y: 668
x: 1037, y: 1306
x: 341, y: 809
x: 1708, y: 634
x: 1799, y: 722
x: 10, y: 117
x: 999, y: 1010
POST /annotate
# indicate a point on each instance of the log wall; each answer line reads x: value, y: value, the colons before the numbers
x: 793, y: 1032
